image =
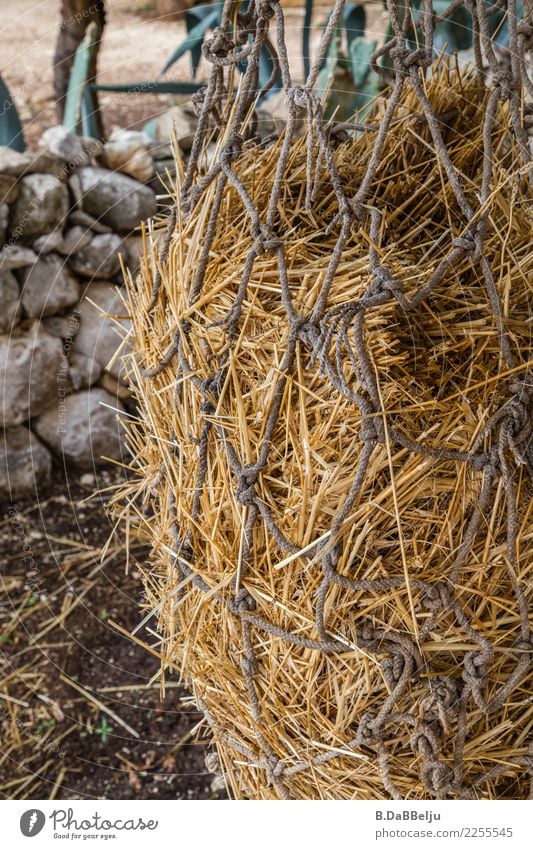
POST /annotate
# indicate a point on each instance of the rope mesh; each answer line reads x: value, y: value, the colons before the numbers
x: 335, y: 335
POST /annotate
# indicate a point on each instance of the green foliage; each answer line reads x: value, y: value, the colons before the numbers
x: 11, y: 134
x: 347, y: 82
x: 79, y: 113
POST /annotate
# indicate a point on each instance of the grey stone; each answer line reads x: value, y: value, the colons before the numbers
x: 84, y: 371
x: 8, y: 188
x: 14, y: 163
x: 9, y: 301
x: 46, y: 162
x: 164, y: 166
x: 115, y: 388
x: 180, y: 120
x: 60, y: 142
x: 16, y: 256
x: 77, y: 216
x: 48, y: 287
x: 132, y: 250
x: 25, y: 463
x: 127, y: 151
x: 94, y: 148
x: 100, y: 336
x: 161, y: 150
x: 82, y: 429
x: 41, y: 206
x: 30, y: 362
x: 49, y: 242
x: 99, y: 258
x: 116, y: 199
x: 74, y: 240
x: 4, y: 222
x: 63, y: 326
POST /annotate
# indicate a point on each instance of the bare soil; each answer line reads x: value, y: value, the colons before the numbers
x: 80, y: 709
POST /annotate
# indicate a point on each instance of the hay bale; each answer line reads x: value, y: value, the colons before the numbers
x: 403, y: 670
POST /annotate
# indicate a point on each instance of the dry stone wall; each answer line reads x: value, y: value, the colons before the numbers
x: 67, y: 214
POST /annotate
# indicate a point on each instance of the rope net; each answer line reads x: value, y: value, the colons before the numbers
x: 335, y: 456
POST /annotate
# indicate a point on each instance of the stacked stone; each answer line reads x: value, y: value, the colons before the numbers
x: 67, y: 214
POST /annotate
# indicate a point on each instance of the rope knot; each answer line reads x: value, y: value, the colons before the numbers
x: 266, y: 240
x: 243, y: 600
x: 436, y: 596
x: 265, y: 9
x: 366, y: 734
x: 249, y: 667
x: 475, y: 675
x: 395, y: 667
x: 469, y: 244
x: 369, y: 431
x: 504, y: 81
x: 425, y: 738
x: 526, y: 30
x: 231, y: 149
x: 299, y: 96
x: 405, y: 59
x: 438, y: 778
x: 219, y: 46
x: 526, y: 645
x: 246, y: 494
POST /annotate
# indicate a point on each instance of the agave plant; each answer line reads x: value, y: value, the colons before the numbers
x: 347, y: 82
x: 11, y: 134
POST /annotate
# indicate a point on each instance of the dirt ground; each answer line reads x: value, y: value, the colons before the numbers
x: 80, y: 708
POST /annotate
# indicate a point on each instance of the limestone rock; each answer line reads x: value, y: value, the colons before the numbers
x: 12, y: 162
x: 9, y: 301
x: 16, y: 256
x: 25, y: 463
x: 83, y: 219
x: 30, y: 362
x: 180, y: 120
x: 49, y: 242
x: 74, y: 240
x: 8, y: 188
x: 115, y: 388
x: 48, y: 287
x: 63, y: 326
x: 60, y: 142
x: 41, y: 206
x: 83, y: 371
x: 132, y: 250
x: 100, y: 336
x: 127, y: 151
x: 82, y: 429
x: 161, y: 150
x: 98, y: 258
x: 113, y: 198
x: 4, y: 222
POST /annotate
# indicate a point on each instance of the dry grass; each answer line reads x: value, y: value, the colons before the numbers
x: 440, y: 376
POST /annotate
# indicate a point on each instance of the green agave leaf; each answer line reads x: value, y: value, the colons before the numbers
x: 11, y: 134
x: 306, y: 36
x: 266, y: 66
x: 78, y: 79
x: 89, y: 125
x: 354, y: 21
x: 194, y: 38
x: 150, y: 87
x: 192, y: 17
x: 360, y: 52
